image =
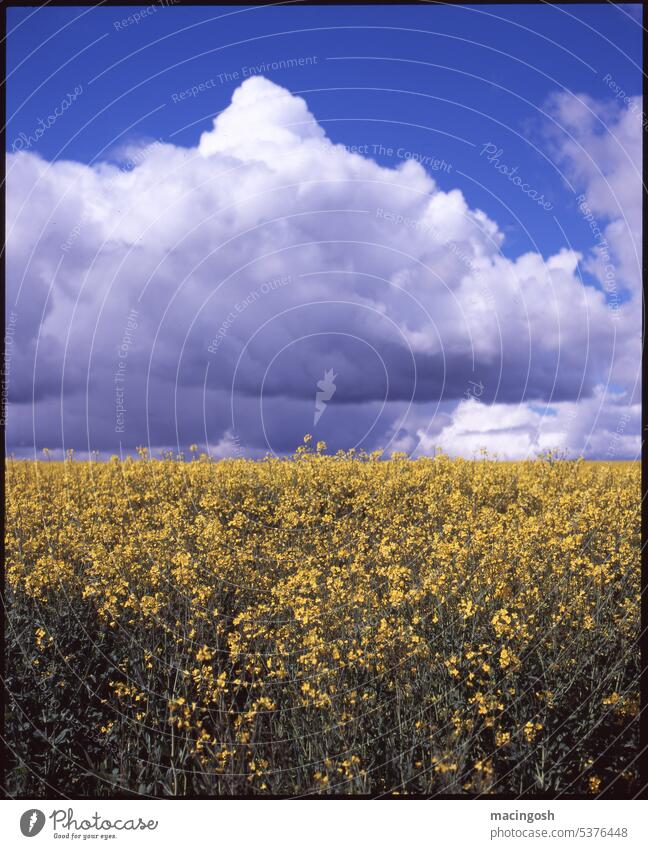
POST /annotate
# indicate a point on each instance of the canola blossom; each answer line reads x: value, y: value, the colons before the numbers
x: 342, y: 625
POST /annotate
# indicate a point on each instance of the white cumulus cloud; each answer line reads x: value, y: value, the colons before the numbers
x: 399, y: 287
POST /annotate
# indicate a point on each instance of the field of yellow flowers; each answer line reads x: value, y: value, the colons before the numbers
x: 322, y: 625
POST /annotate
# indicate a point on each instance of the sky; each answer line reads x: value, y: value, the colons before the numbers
x: 407, y: 228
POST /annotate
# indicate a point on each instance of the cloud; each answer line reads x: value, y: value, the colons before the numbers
x: 185, y: 295
x: 600, y: 145
x: 602, y: 426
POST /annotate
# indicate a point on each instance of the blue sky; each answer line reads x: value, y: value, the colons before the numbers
x: 438, y: 84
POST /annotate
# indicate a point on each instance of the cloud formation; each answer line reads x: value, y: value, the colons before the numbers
x: 199, y: 295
